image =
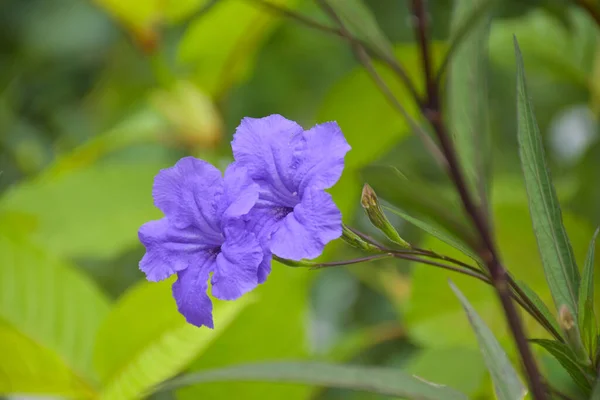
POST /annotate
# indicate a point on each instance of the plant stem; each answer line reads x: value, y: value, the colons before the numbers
x: 363, y: 57
x: 350, y: 262
x: 390, y: 61
x: 488, y: 253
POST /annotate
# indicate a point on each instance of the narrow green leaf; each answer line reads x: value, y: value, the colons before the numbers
x: 587, y: 317
x: 362, y: 23
x: 468, y: 97
x: 437, y: 232
x: 553, y: 244
x: 539, y: 304
x: 48, y: 301
x: 417, y: 198
x: 385, y: 381
x: 144, y: 340
x: 565, y: 356
x: 507, y: 384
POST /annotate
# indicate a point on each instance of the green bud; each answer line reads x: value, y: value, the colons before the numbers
x: 370, y: 203
x: 356, y: 241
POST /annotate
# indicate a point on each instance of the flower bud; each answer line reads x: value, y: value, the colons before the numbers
x: 370, y: 203
x: 356, y: 241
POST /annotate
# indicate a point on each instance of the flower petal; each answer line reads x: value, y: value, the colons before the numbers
x: 264, y: 269
x: 168, y: 249
x: 187, y: 193
x: 189, y: 291
x: 304, y: 233
x: 240, y: 192
x: 321, y: 158
x: 265, y: 146
x: 237, y: 264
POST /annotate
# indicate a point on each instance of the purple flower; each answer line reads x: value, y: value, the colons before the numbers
x: 294, y: 216
x: 202, y: 232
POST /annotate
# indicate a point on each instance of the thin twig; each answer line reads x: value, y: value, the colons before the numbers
x: 390, y: 61
x: 488, y: 253
x: 365, y: 60
x: 350, y: 262
x: 474, y: 274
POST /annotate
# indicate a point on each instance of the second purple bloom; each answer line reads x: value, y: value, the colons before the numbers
x: 294, y: 217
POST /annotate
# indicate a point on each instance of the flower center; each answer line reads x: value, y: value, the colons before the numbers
x: 282, y: 212
x: 215, y: 251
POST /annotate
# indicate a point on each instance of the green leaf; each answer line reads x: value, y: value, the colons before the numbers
x: 92, y: 211
x: 468, y: 96
x: 28, y: 368
x: 241, y: 27
x: 362, y: 23
x: 553, y: 243
x: 565, y: 356
x: 49, y: 301
x: 417, y: 198
x: 390, y: 382
x: 144, y: 340
x: 271, y: 328
x: 437, y: 232
x: 507, y: 384
x: 539, y: 304
x: 587, y: 317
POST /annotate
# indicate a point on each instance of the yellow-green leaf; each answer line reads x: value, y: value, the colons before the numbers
x: 49, y: 301
x: 29, y: 368
x: 220, y: 46
x: 144, y: 340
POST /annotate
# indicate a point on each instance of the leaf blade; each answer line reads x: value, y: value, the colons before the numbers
x: 553, y: 243
x: 507, y: 384
x: 468, y: 100
x: 24, y: 369
x: 384, y: 381
x: 565, y: 356
x: 437, y: 232
x: 139, y: 346
x: 49, y: 301
x: 587, y: 318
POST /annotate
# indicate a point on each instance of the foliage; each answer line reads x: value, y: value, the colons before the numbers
x: 97, y: 97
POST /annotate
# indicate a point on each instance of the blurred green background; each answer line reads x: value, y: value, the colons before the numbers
x: 97, y: 96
